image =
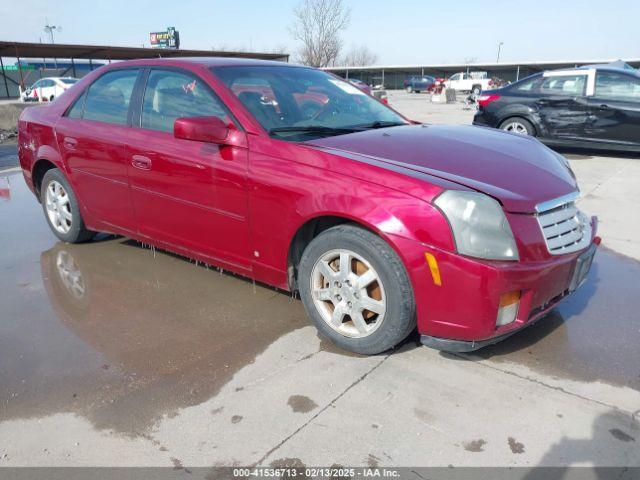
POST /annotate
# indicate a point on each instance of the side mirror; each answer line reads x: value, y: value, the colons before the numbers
x: 201, y: 129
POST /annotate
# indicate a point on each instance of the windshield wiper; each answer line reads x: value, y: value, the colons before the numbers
x: 380, y: 124
x: 314, y: 129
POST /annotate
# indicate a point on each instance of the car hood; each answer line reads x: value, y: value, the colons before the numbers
x: 518, y: 171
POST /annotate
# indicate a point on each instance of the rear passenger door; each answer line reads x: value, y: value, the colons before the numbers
x: 615, y: 108
x: 562, y: 104
x: 91, y: 138
x: 186, y: 193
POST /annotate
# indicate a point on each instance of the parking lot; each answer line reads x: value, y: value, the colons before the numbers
x: 143, y: 358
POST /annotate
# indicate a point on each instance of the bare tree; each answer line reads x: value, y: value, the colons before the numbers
x: 318, y: 24
x: 359, y: 57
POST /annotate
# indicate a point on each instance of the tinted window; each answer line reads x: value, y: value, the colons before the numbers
x: 76, y: 109
x: 564, y: 85
x: 170, y: 95
x: 68, y: 81
x: 527, y: 84
x: 108, y: 97
x: 617, y: 86
x: 291, y: 99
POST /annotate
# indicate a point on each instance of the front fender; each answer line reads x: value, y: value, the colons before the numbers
x: 389, y: 213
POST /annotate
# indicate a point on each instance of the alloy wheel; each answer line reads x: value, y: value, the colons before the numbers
x: 58, y: 206
x: 348, y: 293
x: 515, y: 127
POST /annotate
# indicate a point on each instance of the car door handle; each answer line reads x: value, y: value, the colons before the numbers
x: 604, y: 107
x: 542, y: 102
x: 141, y: 162
x: 70, y: 143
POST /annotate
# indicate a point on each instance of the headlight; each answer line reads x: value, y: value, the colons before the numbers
x: 479, y: 225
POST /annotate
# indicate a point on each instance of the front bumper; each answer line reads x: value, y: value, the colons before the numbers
x: 460, y: 314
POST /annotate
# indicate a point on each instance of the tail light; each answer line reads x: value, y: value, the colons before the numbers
x: 484, y: 100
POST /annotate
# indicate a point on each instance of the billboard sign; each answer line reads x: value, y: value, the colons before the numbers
x: 167, y: 39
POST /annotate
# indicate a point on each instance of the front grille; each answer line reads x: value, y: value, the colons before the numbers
x: 565, y: 228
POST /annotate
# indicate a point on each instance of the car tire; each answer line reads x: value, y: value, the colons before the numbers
x: 61, y: 208
x: 518, y: 125
x: 409, y: 89
x: 375, y: 278
x: 52, y: 98
x: 476, y: 90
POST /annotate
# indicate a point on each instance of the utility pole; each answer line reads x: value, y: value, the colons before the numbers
x: 499, y: 47
x: 48, y: 28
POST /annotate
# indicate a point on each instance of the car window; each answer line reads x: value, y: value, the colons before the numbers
x: 455, y: 77
x: 527, y: 84
x: 617, y: 86
x: 108, y: 97
x: 68, y: 81
x: 564, y: 85
x: 37, y: 84
x: 291, y: 99
x: 170, y: 95
x: 76, y: 110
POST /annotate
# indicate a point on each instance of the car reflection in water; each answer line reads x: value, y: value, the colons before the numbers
x: 171, y: 333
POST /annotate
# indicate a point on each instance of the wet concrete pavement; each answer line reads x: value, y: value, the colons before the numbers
x: 130, y: 350
x: 8, y: 155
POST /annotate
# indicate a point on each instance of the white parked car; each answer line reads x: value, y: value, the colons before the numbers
x: 47, y: 89
x: 474, y: 82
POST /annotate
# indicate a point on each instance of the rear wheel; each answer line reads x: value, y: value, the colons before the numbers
x: 518, y: 125
x: 61, y: 208
x: 356, y: 290
x: 476, y: 90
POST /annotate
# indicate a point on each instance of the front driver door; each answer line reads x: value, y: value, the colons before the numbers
x: 189, y: 194
x: 615, y: 108
x: 562, y: 105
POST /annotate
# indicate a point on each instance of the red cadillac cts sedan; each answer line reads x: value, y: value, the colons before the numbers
x: 297, y: 179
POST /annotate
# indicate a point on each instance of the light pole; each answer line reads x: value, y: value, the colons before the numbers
x: 499, y: 47
x: 50, y: 29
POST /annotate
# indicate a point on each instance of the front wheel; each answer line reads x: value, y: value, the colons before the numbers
x: 356, y: 290
x: 518, y: 125
x: 409, y: 89
x: 61, y: 208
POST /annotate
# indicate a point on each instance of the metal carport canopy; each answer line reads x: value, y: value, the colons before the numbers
x: 107, y: 52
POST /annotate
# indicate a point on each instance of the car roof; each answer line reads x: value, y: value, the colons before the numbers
x: 205, y: 61
x: 618, y: 66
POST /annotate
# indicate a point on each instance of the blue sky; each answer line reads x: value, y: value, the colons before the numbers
x: 400, y: 31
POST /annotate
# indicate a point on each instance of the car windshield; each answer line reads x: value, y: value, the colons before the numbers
x: 297, y: 104
x: 69, y: 81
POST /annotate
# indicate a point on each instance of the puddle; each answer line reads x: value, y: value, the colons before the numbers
x: 121, y: 337
x: 112, y: 332
x: 593, y: 336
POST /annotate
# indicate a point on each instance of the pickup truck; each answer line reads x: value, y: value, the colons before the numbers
x: 474, y: 82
